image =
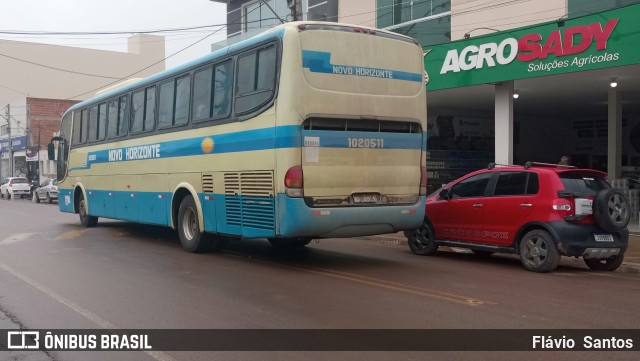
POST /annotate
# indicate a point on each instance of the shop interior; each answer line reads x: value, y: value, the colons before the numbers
x: 554, y: 116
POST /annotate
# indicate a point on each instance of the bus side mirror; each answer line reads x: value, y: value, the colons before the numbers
x: 52, y: 151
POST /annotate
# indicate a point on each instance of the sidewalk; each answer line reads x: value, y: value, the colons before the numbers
x: 631, y: 262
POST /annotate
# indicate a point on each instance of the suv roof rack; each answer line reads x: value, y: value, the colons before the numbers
x: 493, y: 165
x: 528, y: 165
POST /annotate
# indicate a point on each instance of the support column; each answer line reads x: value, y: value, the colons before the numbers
x: 614, y: 141
x: 504, y: 122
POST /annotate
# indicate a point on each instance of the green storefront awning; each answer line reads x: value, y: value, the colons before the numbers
x: 602, y: 40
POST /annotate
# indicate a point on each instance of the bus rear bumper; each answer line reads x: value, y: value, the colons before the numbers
x: 296, y: 219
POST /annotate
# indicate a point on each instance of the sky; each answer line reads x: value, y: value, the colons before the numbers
x: 116, y: 15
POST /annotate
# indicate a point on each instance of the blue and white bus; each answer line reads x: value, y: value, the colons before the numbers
x: 309, y: 130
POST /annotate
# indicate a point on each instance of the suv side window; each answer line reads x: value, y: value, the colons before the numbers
x: 516, y: 184
x: 471, y: 187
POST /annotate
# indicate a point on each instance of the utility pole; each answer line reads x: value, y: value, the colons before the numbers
x: 296, y: 9
x: 7, y: 112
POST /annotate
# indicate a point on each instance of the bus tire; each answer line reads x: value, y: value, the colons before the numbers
x: 86, y: 219
x: 191, y: 238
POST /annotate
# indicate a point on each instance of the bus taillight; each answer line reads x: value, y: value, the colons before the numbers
x: 423, y: 181
x: 293, y: 182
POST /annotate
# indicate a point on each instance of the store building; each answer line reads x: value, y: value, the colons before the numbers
x: 537, y: 93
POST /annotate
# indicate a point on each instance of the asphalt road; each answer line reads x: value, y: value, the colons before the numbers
x: 55, y: 274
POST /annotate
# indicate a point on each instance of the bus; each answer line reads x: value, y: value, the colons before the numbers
x: 309, y: 130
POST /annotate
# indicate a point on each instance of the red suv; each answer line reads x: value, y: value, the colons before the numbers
x: 539, y: 211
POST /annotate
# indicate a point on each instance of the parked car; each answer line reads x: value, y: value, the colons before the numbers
x: 539, y: 211
x: 14, y: 187
x: 48, y: 190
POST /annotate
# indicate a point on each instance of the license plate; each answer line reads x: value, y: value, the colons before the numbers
x: 603, y: 237
x: 366, y: 198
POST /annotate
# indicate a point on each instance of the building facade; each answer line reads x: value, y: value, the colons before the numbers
x: 247, y: 18
x: 40, y: 81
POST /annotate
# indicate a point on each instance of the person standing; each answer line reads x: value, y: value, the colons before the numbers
x: 564, y: 160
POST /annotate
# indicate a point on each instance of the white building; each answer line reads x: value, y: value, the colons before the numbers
x: 31, y: 70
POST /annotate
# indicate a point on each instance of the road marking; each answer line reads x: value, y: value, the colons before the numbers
x: 120, y: 232
x: 15, y: 238
x: 72, y: 234
x: 614, y: 276
x: 380, y: 283
x: 402, y: 287
x: 160, y: 356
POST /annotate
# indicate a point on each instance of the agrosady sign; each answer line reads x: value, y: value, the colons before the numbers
x: 597, y: 41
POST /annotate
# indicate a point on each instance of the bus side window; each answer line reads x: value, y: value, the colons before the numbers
x: 102, y: 121
x: 80, y: 125
x: 174, y: 102
x: 256, y: 79
x: 150, y: 109
x: 183, y: 94
x: 123, y: 119
x: 117, y: 117
x: 266, y: 69
x: 112, y: 118
x: 137, y: 111
x: 222, y: 90
x: 143, y: 109
x: 93, y: 123
x: 165, y: 110
x: 202, y: 94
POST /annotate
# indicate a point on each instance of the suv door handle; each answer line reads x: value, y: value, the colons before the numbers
x: 526, y: 205
x: 478, y: 205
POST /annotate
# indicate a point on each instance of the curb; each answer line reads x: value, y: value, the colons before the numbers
x: 398, y: 239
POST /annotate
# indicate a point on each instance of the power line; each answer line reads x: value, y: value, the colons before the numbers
x: 59, y: 69
x: 143, y: 69
x: 179, y: 51
x: 23, y: 32
x: 17, y: 91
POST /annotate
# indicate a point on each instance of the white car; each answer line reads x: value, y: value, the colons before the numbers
x: 14, y: 187
x: 48, y: 190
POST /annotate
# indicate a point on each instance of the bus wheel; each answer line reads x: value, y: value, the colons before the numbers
x: 85, y: 219
x: 191, y: 238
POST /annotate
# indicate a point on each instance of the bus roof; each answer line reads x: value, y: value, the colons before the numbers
x: 275, y: 32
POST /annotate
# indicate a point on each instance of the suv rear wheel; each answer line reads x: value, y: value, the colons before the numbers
x: 538, y: 252
x: 606, y: 264
x: 422, y: 240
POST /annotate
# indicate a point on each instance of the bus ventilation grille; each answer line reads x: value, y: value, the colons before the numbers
x: 249, y: 199
x: 207, y: 183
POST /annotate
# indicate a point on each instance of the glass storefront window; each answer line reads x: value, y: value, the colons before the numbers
x: 436, y: 31
x: 580, y: 7
x: 428, y: 32
x: 258, y: 15
x: 393, y: 12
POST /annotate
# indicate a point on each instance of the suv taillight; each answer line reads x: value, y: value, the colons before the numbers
x: 293, y: 181
x: 563, y: 206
